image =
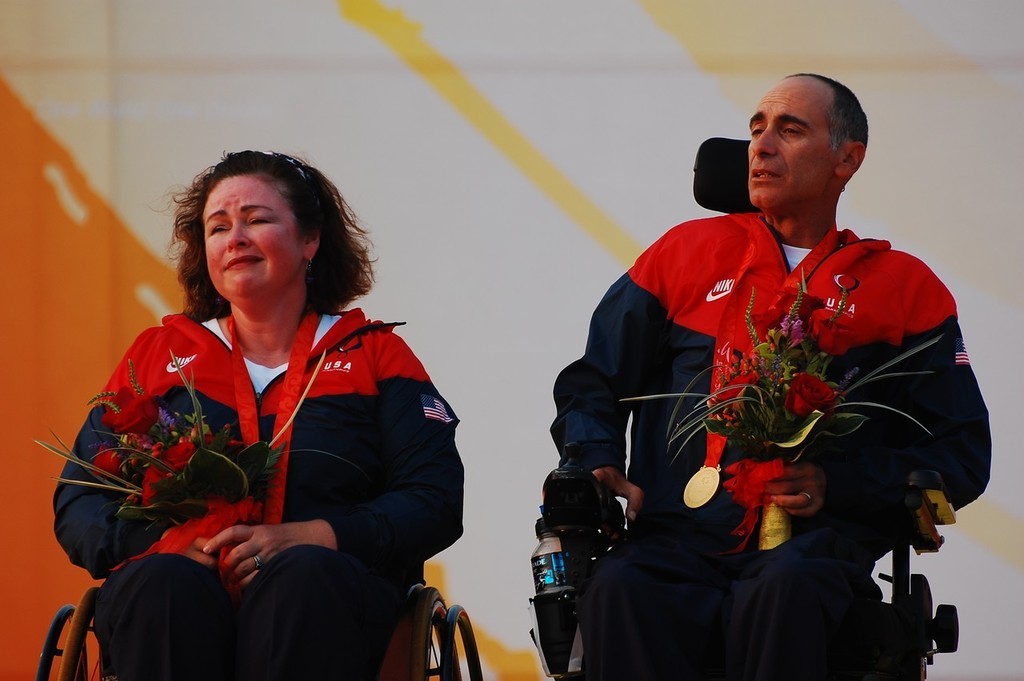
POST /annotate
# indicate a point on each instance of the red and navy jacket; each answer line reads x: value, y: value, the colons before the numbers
x: 681, y: 309
x: 372, y: 449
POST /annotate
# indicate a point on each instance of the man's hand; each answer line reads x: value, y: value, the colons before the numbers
x: 800, y: 490
x: 612, y: 478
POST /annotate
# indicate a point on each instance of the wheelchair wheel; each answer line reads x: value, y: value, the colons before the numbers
x: 424, y: 644
x: 74, y: 663
x: 428, y: 652
x: 51, y: 645
x: 458, y: 623
x: 73, y: 623
x: 413, y: 652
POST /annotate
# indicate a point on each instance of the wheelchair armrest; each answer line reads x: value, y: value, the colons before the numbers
x: 929, y: 504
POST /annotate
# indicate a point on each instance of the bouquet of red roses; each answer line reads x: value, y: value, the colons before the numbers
x: 777, y: 402
x: 172, y: 467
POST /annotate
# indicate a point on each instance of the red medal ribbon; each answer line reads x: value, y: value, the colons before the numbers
x: 735, y: 307
x: 730, y: 339
x: 220, y: 514
x: 746, y: 485
x: 749, y: 477
x: 291, y: 390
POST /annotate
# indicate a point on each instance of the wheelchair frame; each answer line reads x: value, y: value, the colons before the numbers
x: 431, y: 641
x: 900, y: 651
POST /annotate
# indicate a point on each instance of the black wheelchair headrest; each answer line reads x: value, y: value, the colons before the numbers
x: 720, y: 176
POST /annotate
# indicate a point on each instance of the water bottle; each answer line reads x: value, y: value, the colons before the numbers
x: 553, y: 608
x: 548, y: 561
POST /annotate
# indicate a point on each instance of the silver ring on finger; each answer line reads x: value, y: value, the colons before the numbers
x: 259, y: 561
x: 810, y: 499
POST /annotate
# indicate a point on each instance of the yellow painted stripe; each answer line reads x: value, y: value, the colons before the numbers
x: 403, y: 37
x: 995, y: 528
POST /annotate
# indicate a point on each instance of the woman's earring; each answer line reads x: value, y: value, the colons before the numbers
x: 309, y: 272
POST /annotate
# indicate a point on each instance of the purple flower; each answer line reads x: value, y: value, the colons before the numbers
x: 796, y: 331
x: 166, y: 418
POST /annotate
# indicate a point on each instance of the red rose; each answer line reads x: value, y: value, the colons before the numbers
x: 179, y: 454
x: 831, y: 335
x: 153, y: 475
x: 734, y: 388
x: 137, y: 413
x: 108, y: 461
x: 808, y: 394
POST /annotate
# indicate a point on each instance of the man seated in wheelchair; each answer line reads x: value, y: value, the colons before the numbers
x: 783, y: 377
x: 265, y: 474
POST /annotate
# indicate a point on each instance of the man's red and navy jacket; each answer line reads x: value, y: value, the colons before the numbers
x: 372, y: 449
x: 681, y: 309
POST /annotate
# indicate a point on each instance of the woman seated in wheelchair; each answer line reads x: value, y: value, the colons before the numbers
x: 265, y: 473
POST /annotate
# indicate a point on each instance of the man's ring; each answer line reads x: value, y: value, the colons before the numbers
x: 259, y: 561
x: 810, y: 499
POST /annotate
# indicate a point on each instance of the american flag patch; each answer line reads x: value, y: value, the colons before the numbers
x: 960, y: 355
x: 434, y: 408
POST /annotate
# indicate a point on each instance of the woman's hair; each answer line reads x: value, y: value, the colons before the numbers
x: 341, y: 270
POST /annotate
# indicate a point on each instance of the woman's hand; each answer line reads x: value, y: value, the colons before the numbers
x: 265, y: 541
x: 196, y: 553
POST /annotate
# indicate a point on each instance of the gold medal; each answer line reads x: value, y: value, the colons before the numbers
x: 702, y: 487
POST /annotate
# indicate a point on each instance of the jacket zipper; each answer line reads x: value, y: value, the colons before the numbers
x: 785, y: 261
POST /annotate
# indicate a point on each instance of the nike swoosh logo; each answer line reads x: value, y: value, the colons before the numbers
x: 720, y: 290
x: 182, y: 361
